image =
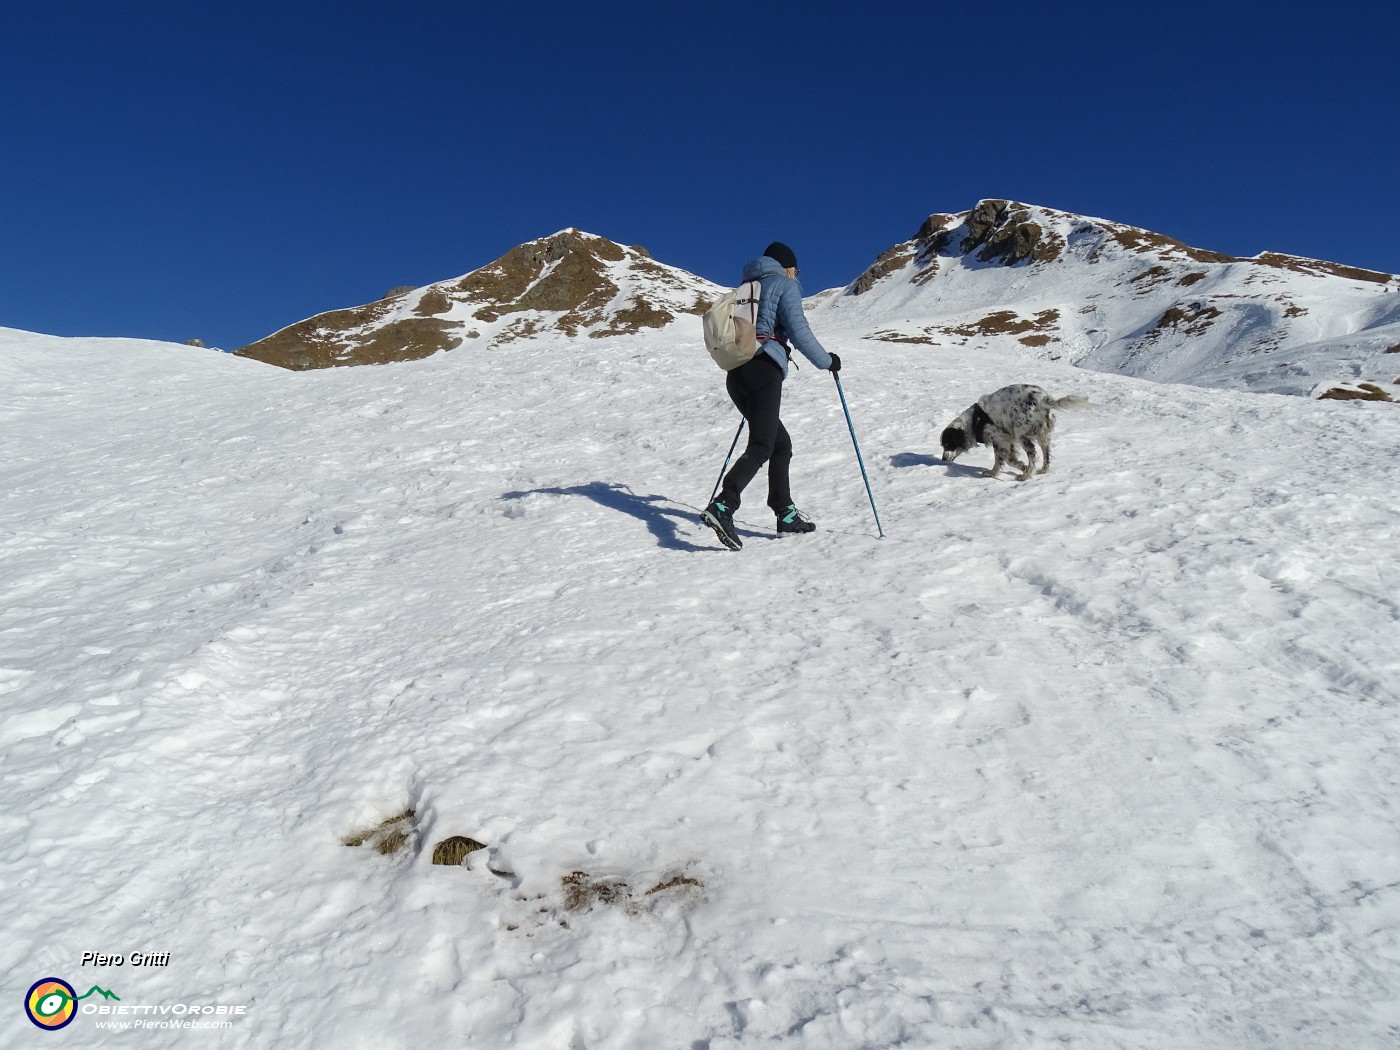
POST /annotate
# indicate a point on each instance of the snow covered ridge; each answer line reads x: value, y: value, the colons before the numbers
x: 1057, y: 286
x: 1119, y: 299
x: 573, y: 283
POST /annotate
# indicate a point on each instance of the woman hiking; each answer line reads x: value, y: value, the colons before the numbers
x: 756, y: 388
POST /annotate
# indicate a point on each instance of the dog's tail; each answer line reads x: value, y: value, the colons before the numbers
x: 1072, y: 401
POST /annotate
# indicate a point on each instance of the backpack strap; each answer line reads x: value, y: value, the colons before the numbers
x: 774, y: 339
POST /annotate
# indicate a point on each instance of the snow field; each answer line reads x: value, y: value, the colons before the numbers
x: 1106, y: 759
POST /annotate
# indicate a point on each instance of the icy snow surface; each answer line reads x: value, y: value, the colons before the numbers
x: 1105, y: 759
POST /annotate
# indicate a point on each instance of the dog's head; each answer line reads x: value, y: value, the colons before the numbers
x: 963, y: 433
x: 955, y: 442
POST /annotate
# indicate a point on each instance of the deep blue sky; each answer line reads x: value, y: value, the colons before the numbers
x: 219, y: 170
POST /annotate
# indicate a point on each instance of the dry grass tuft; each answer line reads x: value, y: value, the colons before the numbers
x: 639, y: 315
x: 454, y: 850
x: 889, y: 336
x: 1135, y: 240
x: 1297, y: 264
x: 678, y: 882
x: 433, y: 302
x: 1008, y: 322
x: 1152, y: 275
x: 582, y: 891
x: 1360, y: 392
x: 1192, y: 318
x: 388, y: 836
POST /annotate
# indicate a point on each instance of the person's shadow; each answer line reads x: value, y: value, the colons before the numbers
x: 658, y: 513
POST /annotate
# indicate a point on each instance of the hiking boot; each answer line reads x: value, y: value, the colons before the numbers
x: 791, y: 520
x: 720, y: 517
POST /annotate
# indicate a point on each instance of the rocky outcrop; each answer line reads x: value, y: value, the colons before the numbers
x: 994, y: 231
x: 1002, y: 231
x: 888, y: 262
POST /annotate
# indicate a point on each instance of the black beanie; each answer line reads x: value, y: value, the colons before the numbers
x: 782, y: 255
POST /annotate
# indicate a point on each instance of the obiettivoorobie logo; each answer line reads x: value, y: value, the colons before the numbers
x: 52, y: 1003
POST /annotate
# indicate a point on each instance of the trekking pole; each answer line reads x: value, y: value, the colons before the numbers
x: 836, y: 376
x: 724, y: 469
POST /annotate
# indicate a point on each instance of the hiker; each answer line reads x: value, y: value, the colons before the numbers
x: 756, y: 388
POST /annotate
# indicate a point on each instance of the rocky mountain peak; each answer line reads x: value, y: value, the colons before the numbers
x: 571, y: 283
x: 1119, y: 298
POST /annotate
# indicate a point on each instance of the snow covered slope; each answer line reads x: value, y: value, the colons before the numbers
x: 572, y: 283
x: 1104, y: 760
x: 1115, y: 298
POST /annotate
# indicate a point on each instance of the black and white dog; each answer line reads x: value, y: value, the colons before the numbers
x: 1020, y: 414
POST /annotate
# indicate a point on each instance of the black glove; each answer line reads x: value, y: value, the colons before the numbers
x: 835, y: 364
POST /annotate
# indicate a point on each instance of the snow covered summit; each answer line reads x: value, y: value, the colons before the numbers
x: 572, y: 283
x: 1120, y: 299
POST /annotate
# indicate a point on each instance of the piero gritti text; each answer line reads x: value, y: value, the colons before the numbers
x: 132, y: 959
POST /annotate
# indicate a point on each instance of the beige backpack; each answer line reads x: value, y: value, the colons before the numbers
x: 729, y: 326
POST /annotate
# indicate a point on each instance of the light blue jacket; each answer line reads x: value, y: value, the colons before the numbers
x: 780, y: 315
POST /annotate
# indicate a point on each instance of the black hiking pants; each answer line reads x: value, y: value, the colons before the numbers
x: 756, y: 388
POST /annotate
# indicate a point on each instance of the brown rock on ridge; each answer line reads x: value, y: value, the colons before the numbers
x: 1000, y: 231
x: 568, y: 283
x: 1004, y: 232
x: 996, y: 230
x: 887, y: 263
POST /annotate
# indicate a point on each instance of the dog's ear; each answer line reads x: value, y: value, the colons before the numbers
x: 980, y: 419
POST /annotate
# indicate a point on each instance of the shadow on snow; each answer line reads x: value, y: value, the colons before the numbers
x: 657, y: 513
x: 919, y: 459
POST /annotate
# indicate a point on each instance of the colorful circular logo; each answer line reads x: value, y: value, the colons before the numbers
x: 51, y: 1003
